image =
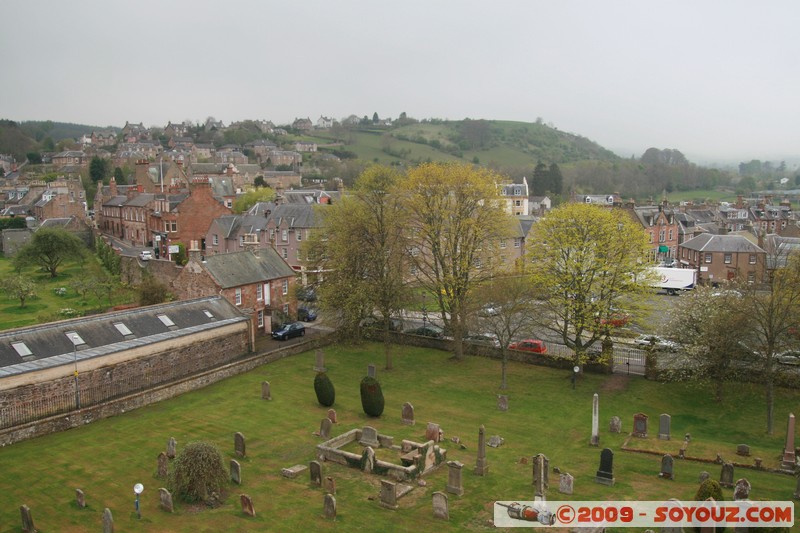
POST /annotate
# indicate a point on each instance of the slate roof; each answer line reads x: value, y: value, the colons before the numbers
x: 116, y: 201
x: 56, y: 222
x: 50, y: 346
x: 721, y: 243
x: 245, y: 268
x: 294, y: 216
x: 141, y: 200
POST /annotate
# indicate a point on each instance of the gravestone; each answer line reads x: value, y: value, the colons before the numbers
x: 388, y: 494
x: 605, y: 474
x: 315, y: 472
x: 757, y: 462
x: 640, y: 425
x: 108, y: 521
x: 332, y: 415
x: 266, y: 393
x: 27, y: 519
x: 165, y: 500
x: 80, y: 498
x: 236, y: 472
x: 666, y: 467
x: 663, y: 426
x: 703, y: 476
x: 294, y: 471
x: 320, y: 364
x: 368, y: 460
x: 329, y: 506
x: 541, y: 467
x: 454, y: 485
x: 789, y: 458
x: 371, y: 371
x: 369, y: 437
x: 495, y: 441
x: 595, y: 440
x: 726, y: 475
x: 566, y: 483
x: 433, y: 432
x: 502, y: 402
x: 172, y: 448
x: 407, y: 416
x: 743, y: 449
x: 440, y: 508
x: 163, y: 464
x: 742, y: 490
x: 615, y: 426
x: 481, y: 464
x: 325, y: 428
x: 247, y: 505
x: 238, y: 444
x: 329, y: 485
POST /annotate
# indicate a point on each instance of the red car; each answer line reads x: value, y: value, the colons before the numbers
x: 529, y: 345
x: 616, y: 320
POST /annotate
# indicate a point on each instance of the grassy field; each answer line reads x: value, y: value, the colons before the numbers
x: 106, y: 458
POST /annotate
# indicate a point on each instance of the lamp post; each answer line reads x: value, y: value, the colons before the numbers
x: 575, y: 371
x: 424, y: 316
x: 74, y: 340
x: 138, y: 489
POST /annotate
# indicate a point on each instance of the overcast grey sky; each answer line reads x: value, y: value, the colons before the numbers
x: 715, y: 79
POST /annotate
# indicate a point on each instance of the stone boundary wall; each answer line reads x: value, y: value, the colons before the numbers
x: 76, y: 418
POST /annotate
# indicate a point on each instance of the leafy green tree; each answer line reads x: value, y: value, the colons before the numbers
x: 372, y: 400
x: 152, y: 291
x: 556, y: 179
x: 20, y: 288
x: 586, y: 266
x: 323, y: 387
x: 247, y: 200
x: 456, y: 223
x: 375, y: 118
x: 98, y: 169
x: 34, y: 158
x: 198, y: 472
x: 119, y: 177
x: 260, y: 182
x: 541, y: 179
x: 12, y: 223
x: 49, y: 248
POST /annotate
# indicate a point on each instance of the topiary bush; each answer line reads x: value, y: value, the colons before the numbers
x: 323, y: 386
x: 371, y: 397
x: 198, y: 474
x: 709, y: 489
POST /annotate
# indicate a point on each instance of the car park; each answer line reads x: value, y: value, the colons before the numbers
x: 287, y: 331
x: 427, y: 331
x: 145, y: 255
x: 529, y: 345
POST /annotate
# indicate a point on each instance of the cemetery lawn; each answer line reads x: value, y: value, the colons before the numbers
x: 106, y: 458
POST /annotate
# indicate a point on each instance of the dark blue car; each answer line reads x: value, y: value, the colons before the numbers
x: 287, y: 331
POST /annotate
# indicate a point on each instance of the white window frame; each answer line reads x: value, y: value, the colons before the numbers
x: 259, y: 292
x: 238, y: 296
x: 260, y: 318
x: 285, y: 287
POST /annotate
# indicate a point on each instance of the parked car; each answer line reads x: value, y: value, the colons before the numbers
x: 790, y: 357
x: 395, y: 324
x: 489, y: 309
x: 645, y: 341
x: 145, y: 255
x: 616, y: 320
x: 306, y: 314
x: 529, y: 345
x: 427, y: 331
x: 484, y: 339
x: 306, y: 294
x: 287, y: 331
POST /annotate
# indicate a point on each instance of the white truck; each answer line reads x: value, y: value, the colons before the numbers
x: 673, y: 280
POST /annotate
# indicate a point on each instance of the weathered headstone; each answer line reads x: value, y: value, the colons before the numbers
x: 432, y: 432
x: 369, y: 437
x: 742, y: 490
x: 407, y: 416
x: 454, y: 485
x: 332, y: 415
x: 388, y: 494
x: 368, y: 460
x: 236, y: 472
x: 566, y: 483
x: 502, y: 402
x: 238, y: 444
x: 757, y: 462
x: 80, y: 498
x: 726, y: 475
x: 329, y: 485
x: 495, y: 441
x: 163, y: 464
x: 595, y: 440
x: 743, y: 449
x: 165, y: 499
x: 372, y: 371
x: 247, y: 505
x: 320, y: 361
x: 481, y: 464
x: 703, y: 476
x: 667, y: 463
x: 108, y: 521
x: 615, y: 426
x: 27, y: 519
x: 266, y: 393
x: 172, y: 448
x: 640, y: 425
x: 541, y: 468
x: 293, y: 471
x: 329, y: 506
x: 325, y: 428
x: 789, y: 459
x: 664, y: 426
x: 440, y: 508
x: 605, y: 474
x: 315, y: 472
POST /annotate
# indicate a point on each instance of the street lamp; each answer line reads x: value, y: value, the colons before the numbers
x: 575, y: 371
x: 138, y: 489
x: 76, y: 340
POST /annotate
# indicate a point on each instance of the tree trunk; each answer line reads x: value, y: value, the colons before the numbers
x: 458, y: 341
x: 504, y: 362
x: 387, y: 346
x: 770, y: 403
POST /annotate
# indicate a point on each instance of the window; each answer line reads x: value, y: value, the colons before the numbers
x: 503, y: 244
x: 517, y: 203
x: 751, y: 277
x: 727, y: 259
x: 670, y: 234
x: 285, y: 287
x: 241, y: 241
x: 259, y: 292
x: 476, y: 262
x: 285, y: 252
x: 285, y: 235
x: 661, y: 236
x: 286, y: 308
x: 229, y: 203
x: 695, y: 256
x: 75, y: 338
x: 215, y: 239
x: 650, y: 234
x: 261, y: 318
x: 208, y: 313
x: 123, y: 329
x: 299, y: 234
x: 238, y: 296
x: 517, y: 242
x: 708, y: 257
x: 21, y: 348
x: 413, y: 270
x: 271, y: 235
x: 752, y: 259
x: 167, y: 321
x: 267, y: 294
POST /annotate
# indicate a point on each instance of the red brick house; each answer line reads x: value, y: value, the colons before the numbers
x: 723, y: 257
x: 662, y: 228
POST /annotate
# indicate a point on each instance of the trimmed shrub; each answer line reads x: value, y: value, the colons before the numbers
x: 709, y: 488
x: 323, y: 386
x: 371, y: 397
x: 198, y: 474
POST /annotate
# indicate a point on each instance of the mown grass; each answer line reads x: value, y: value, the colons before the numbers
x: 106, y: 458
